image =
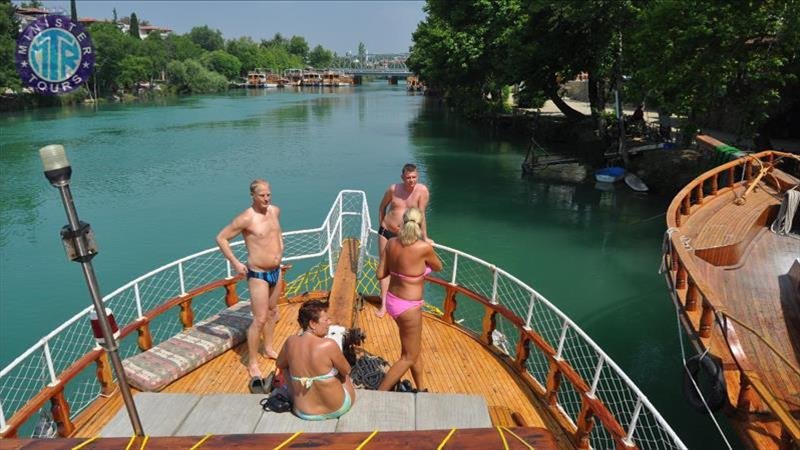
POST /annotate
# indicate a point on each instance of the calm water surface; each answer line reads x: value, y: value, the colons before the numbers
x: 158, y: 181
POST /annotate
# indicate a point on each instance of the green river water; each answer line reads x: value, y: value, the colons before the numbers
x: 158, y: 180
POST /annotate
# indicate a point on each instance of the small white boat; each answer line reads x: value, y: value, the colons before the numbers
x: 609, y: 174
x: 635, y: 183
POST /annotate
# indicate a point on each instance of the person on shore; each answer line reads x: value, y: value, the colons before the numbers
x: 407, y: 259
x: 260, y: 226
x: 320, y: 384
x: 398, y: 198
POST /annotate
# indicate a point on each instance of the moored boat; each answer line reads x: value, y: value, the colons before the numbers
x: 517, y: 364
x: 609, y: 174
x: 734, y: 275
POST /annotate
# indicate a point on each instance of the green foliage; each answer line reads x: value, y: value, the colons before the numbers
x: 362, y: 52
x: 246, y: 51
x: 133, y: 69
x: 134, y: 27
x: 155, y: 48
x: 223, y: 63
x: 181, y: 47
x: 190, y: 77
x: 298, y: 46
x: 111, y: 47
x: 206, y: 38
x: 8, y: 42
x: 320, y: 57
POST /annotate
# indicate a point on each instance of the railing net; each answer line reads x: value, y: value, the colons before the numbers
x: 314, y: 253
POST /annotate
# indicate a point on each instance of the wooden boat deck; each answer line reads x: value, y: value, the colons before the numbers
x: 454, y: 363
x: 736, y: 256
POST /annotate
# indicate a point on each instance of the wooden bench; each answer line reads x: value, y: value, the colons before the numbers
x: 724, y: 237
x: 164, y: 363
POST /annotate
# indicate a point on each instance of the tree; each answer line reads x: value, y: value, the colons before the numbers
x: 298, y: 46
x: 190, y: 77
x: 134, y: 27
x: 134, y: 69
x: 320, y: 57
x: 31, y: 4
x: 362, y: 53
x: 206, y: 38
x: 246, y: 51
x: 181, y: 47
x: 740, y: 58
x: 114, y: 11
x: 112, y: 45
x: 8, y: 38
x: 277, y: 41
x: 223, y: 63
x: 154, y: 48
x: 73, y: 11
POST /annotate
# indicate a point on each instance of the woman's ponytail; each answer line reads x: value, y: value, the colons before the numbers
x: 411, y: 231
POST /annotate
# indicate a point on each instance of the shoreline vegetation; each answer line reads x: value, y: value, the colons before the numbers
x: 128, y: 67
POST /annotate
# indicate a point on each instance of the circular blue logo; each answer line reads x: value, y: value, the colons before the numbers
x: 54, y: 55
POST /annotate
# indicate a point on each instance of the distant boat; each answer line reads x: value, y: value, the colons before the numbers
x: 609, y: 174
x: 635, y: 183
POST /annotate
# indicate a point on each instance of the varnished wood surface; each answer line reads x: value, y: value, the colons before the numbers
x: 343, y: 290
x: 744, y: 270
x: 467, y: 439
x: 454, y: 363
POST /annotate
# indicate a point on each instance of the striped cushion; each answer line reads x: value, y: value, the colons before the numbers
x: 166, y: 362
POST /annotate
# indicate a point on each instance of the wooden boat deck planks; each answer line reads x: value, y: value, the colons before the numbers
x: 455, y: 363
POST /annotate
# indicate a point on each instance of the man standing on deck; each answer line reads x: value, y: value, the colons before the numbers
x: 259, y: 225
x: 399, y: 197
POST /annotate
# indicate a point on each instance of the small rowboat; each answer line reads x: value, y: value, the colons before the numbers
x: 635, y: 183
x: 609, y: 174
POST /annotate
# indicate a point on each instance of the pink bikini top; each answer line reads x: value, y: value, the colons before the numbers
x: 415, y: 277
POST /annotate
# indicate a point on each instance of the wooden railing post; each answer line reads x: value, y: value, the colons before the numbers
x: 450, y: 303
x: 522, y: 351
x: 145, y: 339
x: 680, y: 274
x: 691, y: 296
x: 104, y: 376
x: 552, y: 384
x: 489, y: 325
x: 231, y: 296
x: 706, y: 319
x: 60, y: 410
x: 715, y: 184
x: 686, y: 204
x: 187, y: 315
x: 584, y: 425
x: 699, y: 193
x: 731, y: 176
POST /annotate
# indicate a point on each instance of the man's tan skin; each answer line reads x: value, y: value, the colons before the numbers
x: 399, y: 197
x: 259, y: 225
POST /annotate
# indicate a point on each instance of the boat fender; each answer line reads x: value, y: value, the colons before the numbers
x: 706, y: 370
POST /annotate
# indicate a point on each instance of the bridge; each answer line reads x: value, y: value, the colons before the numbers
x: 381, y: 65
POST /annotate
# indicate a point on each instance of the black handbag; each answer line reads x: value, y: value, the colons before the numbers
x: 277, y: 401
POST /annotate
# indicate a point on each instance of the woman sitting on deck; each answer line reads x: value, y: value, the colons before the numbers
x: 320, y: 375
x: 407, y: 254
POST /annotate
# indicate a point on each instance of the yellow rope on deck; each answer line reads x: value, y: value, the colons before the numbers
x: 763, y: 339
x: 144, y: 442
x: 201, y: 441
x: 288, y: 441
x: 130, y: 443
x: 505, y: 444
x: 85, y: 443
x: 369, y: 438
x: 519, y: 438
x: 446, y: 438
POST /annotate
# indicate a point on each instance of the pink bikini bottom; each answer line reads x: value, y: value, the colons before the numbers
x: 396, y: 305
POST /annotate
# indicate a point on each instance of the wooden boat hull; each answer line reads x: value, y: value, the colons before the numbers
x: 729, y: 277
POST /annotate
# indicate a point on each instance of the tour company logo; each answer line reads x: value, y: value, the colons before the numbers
x: 54, y: 55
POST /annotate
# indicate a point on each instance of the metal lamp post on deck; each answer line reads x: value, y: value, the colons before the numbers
x: 81, y: 247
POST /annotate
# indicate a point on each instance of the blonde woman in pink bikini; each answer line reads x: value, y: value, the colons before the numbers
x: 408, y: 258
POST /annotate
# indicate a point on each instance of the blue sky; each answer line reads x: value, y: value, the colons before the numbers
x: 384, y: 26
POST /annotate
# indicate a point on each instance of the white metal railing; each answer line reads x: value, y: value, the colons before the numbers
x: 41, y: 364
x: 349, y: 217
